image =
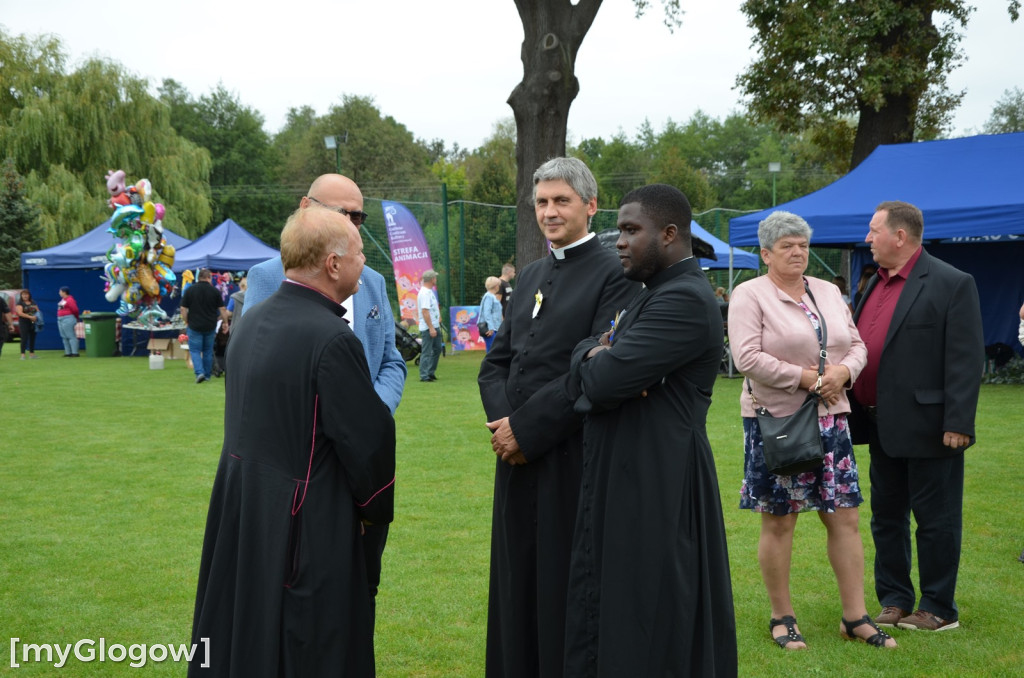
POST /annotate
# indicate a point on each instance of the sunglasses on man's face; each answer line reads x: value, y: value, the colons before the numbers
x: 356, y: 216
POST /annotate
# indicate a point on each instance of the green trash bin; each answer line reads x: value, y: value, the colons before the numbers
x: 100, y: 334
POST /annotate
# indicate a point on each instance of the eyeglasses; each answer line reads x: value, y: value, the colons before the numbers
x: 356, y: 216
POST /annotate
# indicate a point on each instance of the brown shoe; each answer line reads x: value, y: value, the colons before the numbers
x: 926, y: 621
x: 890, y: 616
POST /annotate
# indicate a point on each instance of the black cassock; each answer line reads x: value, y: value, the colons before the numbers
x: 649, y: 590
x: 282, y: 583
x: 524, y: 377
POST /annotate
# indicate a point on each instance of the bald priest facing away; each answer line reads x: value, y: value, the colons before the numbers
x: 308, y: 457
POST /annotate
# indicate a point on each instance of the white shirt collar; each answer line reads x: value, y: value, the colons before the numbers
x: 559, y: 252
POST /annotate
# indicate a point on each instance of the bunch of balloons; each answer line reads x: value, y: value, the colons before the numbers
x: 138, y: 269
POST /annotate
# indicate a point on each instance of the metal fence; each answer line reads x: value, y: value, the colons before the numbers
x: 470, y: 241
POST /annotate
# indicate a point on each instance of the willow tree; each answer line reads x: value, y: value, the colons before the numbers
x: 65, y: 130
x: 553, y: 31
x: 883, y: 62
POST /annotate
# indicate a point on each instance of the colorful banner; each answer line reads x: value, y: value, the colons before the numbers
x: 465, y: 336
x: 410, y: 255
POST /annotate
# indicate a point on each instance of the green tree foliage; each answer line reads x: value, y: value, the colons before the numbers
x: 378, y: 151
x: 882, y: 62
x: 19, y: 225
x: 64, y: 131
x: 302, y: 155
x: 244, y: 164
x: 1008, y: 113
x: 490, y: 233
x: 491, y: 169
x: 619, y: 165
x: 715, y: 163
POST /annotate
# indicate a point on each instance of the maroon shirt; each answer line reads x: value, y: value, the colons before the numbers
x: 873, y: 325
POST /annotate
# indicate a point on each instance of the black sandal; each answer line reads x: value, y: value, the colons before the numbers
x: 791, y: 636
x: 877, y: 640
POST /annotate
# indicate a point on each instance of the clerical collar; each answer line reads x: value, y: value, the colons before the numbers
x: 669, y: 272
x: 341, y: 307
x: 559, y: 252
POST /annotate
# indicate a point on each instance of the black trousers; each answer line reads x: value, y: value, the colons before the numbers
x: 374, y: 540
x: 932, y: 490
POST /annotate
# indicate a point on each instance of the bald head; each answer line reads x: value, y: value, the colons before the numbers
x: 333, y: 191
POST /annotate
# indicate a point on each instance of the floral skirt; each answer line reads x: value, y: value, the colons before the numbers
x: 835, y: 485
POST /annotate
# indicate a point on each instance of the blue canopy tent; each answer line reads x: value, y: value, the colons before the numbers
x: 229, y: 247
x: 78, y: 264
x: 971, y: 191
x: 740, y: 259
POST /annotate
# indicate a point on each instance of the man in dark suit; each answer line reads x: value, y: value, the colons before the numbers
x: 282, y: 584
x: 649, y: 587
x: 914, y: 404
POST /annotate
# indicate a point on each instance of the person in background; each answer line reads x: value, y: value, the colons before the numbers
x: 236, y: 302
x: 67, y: 316
x: 490, y: 309
x: 1020, y: 332
x: 572, y: 293
x: 775, y: 334
x: 840, y: 282
x: 867, y: 271
x: 917, y: 398
x: 508, y: 272
x: 429, y: 314
x: 26, y: 311
x: 1020, y: 338
x: 200, y: 307
x: 5, y: 322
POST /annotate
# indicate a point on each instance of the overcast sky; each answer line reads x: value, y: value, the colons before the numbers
x: 445, y: 69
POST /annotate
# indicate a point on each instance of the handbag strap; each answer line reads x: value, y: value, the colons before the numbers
x: 822, y: 342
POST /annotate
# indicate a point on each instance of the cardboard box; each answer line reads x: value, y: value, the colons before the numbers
x: 178, y: 352
x: 170, y: 349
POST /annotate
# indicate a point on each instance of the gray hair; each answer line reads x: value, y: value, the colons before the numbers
x: 572, y: 171
x: 429, y: 274
x: 780, y: 224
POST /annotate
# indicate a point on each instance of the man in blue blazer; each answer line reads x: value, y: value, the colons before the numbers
x: 914, y: 404
x: 371, y: 320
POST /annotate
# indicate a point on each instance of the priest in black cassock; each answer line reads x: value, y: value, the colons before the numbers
x: 560, y: 299
x: 649, y: 588
x: 308, y: 457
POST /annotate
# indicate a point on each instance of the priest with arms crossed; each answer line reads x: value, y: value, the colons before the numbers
x: 649, y: 587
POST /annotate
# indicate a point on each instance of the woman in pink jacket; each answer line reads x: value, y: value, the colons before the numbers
x: 774, y: 335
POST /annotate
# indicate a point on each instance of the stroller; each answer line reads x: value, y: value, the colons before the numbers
x: 407, y: 345
x: 220, y: 347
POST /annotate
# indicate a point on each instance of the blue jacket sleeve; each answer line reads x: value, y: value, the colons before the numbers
x: 389, y: 381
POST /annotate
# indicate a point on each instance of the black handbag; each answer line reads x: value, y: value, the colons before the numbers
x: 481, y: 327
x: 792, y: 444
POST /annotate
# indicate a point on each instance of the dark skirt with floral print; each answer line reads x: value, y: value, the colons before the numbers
x: 835, y: 485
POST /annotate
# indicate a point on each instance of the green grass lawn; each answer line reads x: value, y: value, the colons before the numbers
x: 105, y: 474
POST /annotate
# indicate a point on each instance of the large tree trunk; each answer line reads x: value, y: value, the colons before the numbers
x: 895, y: 120
x: 892, y: 124
x: 553, y: 31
